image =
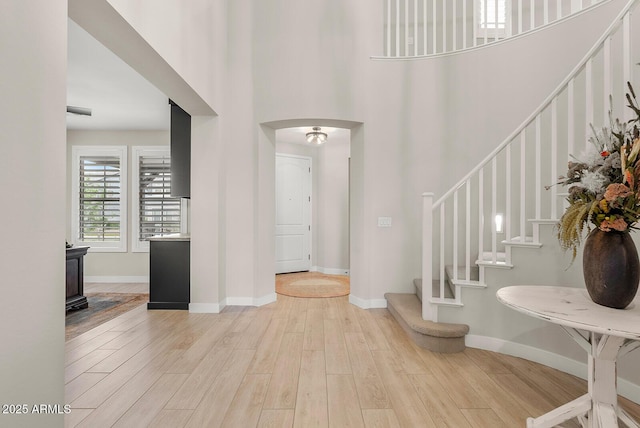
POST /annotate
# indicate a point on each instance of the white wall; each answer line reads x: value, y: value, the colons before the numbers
x: 332, y: 206
x: 114, y: 267
x: 194, y: 51
x: 33, y: 48
x: 207, y: 235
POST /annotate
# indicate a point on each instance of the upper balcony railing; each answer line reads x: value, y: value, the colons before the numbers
x: 416, y: 28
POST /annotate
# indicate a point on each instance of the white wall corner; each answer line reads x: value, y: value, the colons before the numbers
x: 206, y: 308
x: 576, y: 368
x: 265, y: 300
x: 251, y: 301
x: 367, y: 303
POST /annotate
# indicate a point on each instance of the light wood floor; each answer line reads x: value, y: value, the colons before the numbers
x: 297, y: 362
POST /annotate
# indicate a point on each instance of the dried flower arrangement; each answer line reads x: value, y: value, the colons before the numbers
x: 604, y: 184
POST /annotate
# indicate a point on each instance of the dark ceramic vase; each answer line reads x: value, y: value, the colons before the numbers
x: 611, y: 268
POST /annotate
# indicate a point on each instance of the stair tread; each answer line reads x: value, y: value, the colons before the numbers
x: 527, y: 239
x: 487, y: 256
x: 462, y: 274
x: 528, y: 242
x: 410, y: 310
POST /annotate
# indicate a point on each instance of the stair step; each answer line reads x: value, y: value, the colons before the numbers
x: 434, y: 336
x: 487, y: 256
x: 551, y: 221
x: 453, y: 303
x: 528, y: 242
x: 469, y: 284
x: 474, y: 274
x: 497, y: 264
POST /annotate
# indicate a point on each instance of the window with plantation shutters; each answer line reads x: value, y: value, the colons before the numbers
x: 155, y: 212
x: 99, y: 197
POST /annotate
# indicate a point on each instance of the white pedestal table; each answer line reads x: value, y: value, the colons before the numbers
x: 605, y: 333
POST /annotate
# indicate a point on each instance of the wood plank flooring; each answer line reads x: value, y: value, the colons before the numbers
x: 295, y: 363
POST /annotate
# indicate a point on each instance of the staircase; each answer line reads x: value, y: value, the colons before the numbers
x: 437, y: 337
x: 464, y: 246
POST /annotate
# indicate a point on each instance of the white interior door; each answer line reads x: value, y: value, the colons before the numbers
x: 293, y: 213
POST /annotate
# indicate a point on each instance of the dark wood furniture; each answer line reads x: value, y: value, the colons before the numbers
x: 169, y: 281
x: 75, y: 279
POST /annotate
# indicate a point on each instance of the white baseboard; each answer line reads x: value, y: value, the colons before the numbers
x: 216, y: 308
x: 367, y: 303
x: 579, y: 369
x: 116, y: 279
x: 206, y: 308
x: 330, y: 271
x: 251, y: 301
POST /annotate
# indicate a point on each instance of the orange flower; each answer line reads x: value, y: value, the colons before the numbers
x: 618, y: 224
x: 628, y: 178
x: 615, y: 191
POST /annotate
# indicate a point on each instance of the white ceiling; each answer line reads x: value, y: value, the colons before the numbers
x: 298, y: 135
x: 121, y: 99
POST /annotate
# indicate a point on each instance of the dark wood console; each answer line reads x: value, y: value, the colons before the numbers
x: 169, y: 277
x: 75, y: 279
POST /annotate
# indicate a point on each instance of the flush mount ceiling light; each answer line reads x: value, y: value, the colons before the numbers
x: 316, y: 137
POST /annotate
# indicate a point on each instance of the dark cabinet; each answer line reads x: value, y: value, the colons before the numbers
x: 169, y: 274
x: 180, y: 152
x: 75, y: 279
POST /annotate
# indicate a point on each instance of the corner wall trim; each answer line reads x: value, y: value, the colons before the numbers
x: 116, y: 279
x: 368, y: 303
x: 576, y: 368
x: 330, y: 271
x: 251, y: 301
x: 206, y: 308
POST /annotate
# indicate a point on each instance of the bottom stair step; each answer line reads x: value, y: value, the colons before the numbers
x: 434, y: 336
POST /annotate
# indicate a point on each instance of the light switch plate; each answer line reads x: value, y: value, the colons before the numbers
x: 384, y: 221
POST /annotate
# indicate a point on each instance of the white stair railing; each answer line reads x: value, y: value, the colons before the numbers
x: 414, y: 28
x: 511, y: 180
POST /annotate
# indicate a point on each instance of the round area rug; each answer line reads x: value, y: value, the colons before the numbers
x: 312, y: 284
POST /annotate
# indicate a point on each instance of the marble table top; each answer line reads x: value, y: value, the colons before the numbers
x: 573, y: 308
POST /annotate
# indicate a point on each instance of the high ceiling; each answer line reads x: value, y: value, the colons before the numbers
x: 121, y: 99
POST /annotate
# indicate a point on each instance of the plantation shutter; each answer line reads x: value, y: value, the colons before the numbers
x: 159, y: 212
x: 100, y: 193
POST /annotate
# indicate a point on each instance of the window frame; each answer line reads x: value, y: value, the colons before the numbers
x: 491, y: 34
x: 138, y: 246
x: 77, y: 152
